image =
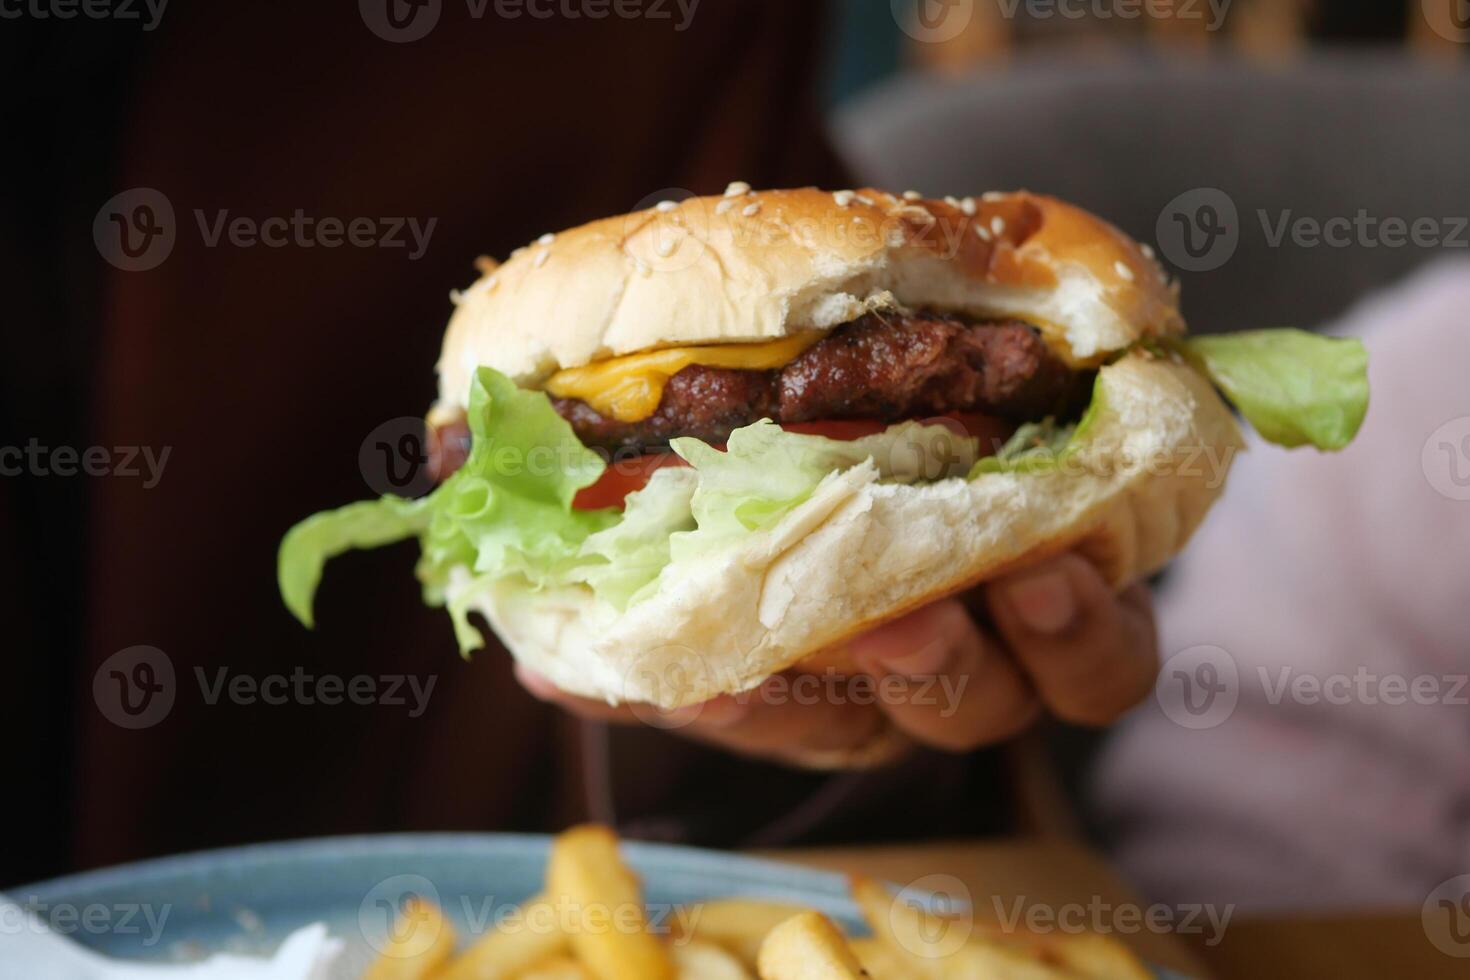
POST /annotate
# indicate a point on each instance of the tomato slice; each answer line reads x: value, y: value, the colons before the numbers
x: 622, y: 477
x: 625, y: 476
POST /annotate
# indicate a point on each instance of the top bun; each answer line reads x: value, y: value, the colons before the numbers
x: 753, y: 266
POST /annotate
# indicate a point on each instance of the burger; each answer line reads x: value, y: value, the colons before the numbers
x: 683, y: 449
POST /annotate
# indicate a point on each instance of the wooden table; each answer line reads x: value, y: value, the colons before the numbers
x: 1057, y: 874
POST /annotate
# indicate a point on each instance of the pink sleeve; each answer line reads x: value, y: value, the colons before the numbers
x: 1328, y: 598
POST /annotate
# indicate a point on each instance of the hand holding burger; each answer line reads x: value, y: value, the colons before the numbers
x: 692, y: 447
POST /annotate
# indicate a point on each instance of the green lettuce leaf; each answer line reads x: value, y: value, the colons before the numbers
x: 366, y: 524
x: 1294, y: 387
x: 635, y: 550
x: 764, y: 472
x: 506, y: 512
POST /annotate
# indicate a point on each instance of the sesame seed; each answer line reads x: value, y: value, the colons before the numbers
x: 518, y: 252
x: 992, y: 196
x: 1123, y: 270
x: 863, y: 199
x: 998, y: 225
x: 485, y: 264
x: 1147, y: 249
x: 642, y: 266
x: 541, y: 258
x: 490, y: 283
x: 967, y: 205
x: 736, y: 188
x: 982, y: 232
x: 665, y: 206
x: 456, y: 297
x: 724, y: 206
x: 664, y: 248
x: 750, y: 209
x: 843, y: 198
x: 911, y: 195
x: 546, y: 239
x: 951, y: 200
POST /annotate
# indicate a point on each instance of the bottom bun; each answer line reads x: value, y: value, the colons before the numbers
x: 860, y: 552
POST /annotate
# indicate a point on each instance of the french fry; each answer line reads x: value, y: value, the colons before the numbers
x: 557, y: 968
x: 808, y: 946
x: 420, y: 940
x: 881, y: 961
x: 739, y: 925
x: 1092, y: 956
x: 609, y: 928
x: 695, y: 960
x: 509, y: 950
x: 938, y: 948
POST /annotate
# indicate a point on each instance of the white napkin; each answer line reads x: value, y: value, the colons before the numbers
x: 28, y: 949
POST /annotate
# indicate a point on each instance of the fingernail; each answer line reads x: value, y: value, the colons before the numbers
x: 1045, y: 602
x: 922, y: 661
x: 537, y: 685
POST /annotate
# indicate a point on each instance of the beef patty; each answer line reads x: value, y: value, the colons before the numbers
x: 880, y: 366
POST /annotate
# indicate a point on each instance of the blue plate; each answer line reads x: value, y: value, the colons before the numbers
x: 247, y: 899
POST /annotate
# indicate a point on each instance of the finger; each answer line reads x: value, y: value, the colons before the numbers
x: 792, y: 718
x: 942, y: 682
x: 1090, y: 653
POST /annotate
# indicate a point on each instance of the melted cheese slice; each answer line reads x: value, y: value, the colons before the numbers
x: 629, y: 388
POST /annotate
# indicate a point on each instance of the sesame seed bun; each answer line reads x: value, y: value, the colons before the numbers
x: 753, y: 266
